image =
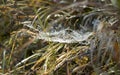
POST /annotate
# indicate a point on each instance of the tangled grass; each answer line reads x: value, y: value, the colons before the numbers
x: 22, y: 53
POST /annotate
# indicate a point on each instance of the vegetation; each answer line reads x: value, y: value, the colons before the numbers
x: 24, y: 52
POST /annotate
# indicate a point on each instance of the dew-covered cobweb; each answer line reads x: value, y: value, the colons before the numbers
x: 64, y: 35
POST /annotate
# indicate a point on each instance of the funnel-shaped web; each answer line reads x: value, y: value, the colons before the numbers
x: 64, y: 35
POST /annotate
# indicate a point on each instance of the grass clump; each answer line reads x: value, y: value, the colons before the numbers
x: 23, y: 52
